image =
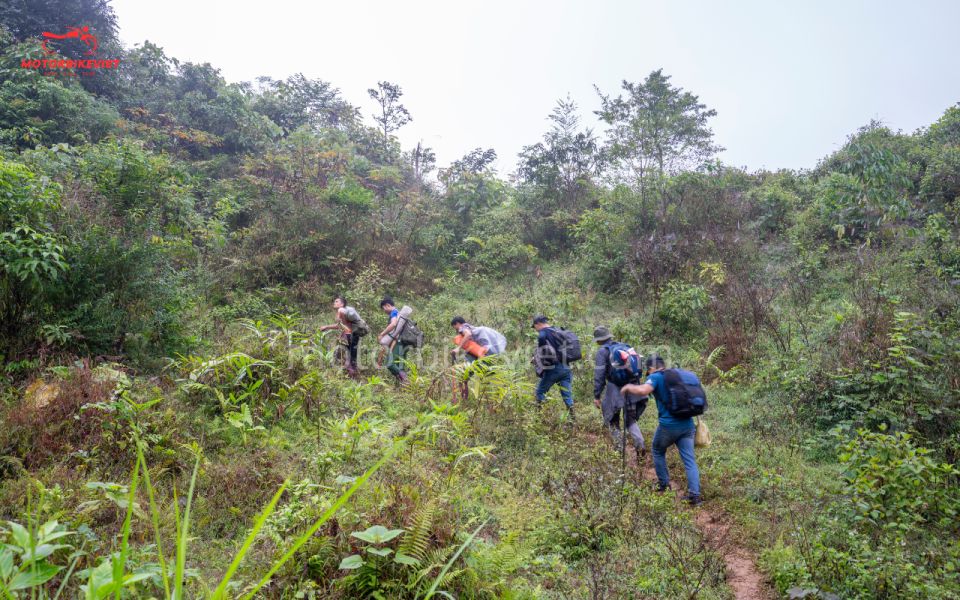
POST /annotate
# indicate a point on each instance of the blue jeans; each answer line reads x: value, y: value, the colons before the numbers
x: 683, y: 438
x: 559, y: 374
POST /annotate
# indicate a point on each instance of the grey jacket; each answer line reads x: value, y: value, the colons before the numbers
x: 611, y: 398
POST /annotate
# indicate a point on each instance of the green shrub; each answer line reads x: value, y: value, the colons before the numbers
x: 682, y: 310
x: 36, y: 109
x: 786, y: 565
x: 892, y: 532
x: 906, y: 385
x: 31, y: 253
x: 895, y: 486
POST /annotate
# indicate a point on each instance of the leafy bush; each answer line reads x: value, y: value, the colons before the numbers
x: 774, y: 205
x: 890, y: 534
x: 681, y: 311
x: 900, y: 376
x: 31, y: 253
x: 895, y: 486
x: 493, y: 233
x: 868, y: 184
x: 36, y: 109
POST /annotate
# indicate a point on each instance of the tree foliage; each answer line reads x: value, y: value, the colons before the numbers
x: 656, y: 129
x: 392, y: 115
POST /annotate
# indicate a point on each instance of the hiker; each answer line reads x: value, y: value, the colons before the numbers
x: 671, y: 430
x: 475, y: 342
x: 396, y: 350
x: 352, y: 328
x: 551, y: 365
x: 613, y: 402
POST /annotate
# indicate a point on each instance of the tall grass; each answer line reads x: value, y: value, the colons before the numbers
x: 175, y: 591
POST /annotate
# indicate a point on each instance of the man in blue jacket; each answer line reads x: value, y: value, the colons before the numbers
x: 670, y: 431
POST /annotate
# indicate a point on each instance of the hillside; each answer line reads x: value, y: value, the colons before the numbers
x: 175, y: 423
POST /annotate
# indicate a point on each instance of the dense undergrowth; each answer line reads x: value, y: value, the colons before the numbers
x: 170, y: 243
x: 554, y: 514
x: 559, y: 519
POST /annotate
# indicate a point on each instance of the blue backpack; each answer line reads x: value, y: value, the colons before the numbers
x: 624, y: 365
x: 687, y: 396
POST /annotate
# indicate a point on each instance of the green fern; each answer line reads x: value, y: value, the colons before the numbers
x: 433, y: 560
x: 415, y: 540
x: 506, y: 558
x: 715, y: 356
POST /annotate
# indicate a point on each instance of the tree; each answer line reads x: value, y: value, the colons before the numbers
x: 656, y: 129
x: 298, y: 101
x: 566, y: 159
x: 474, y: 162
x: 423, y: 160
x: 146, y: 78
x: 28, y: 19
x: 560, y: 172
x: 947, y: 128
x: 940, y: 184
x: 36, y: 109
x: 866, y: 185
x: 471, y: 185
x: 393, y: 115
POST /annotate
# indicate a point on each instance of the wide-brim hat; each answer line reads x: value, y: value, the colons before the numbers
x: 601, y: 334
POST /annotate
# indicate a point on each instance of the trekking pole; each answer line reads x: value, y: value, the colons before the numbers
x: 623, y: 454
x: 453, y: 386
x: 453, y: 378
x: 623, y: 438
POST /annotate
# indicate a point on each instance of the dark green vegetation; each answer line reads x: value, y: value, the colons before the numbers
x: 161, y: 230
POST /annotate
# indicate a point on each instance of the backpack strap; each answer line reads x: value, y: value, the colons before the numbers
x: 606, y: 363
x: 553, y: 335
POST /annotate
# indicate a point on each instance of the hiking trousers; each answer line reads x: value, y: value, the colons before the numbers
x: 630, y: 422
x: 683, y: 439
x: 352, y: 342
x: 560, y: 374
x: 395, y: 359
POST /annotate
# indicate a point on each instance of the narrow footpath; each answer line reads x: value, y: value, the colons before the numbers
x: 743, y: 577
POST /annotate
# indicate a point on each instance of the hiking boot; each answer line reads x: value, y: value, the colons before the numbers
x: 693, y: 499
x: 402, y: 378
x: 662, y: 487
x: 573, y: 416
x: 641, y: 456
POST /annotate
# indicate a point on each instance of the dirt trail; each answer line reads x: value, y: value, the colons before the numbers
x: 743, y: 577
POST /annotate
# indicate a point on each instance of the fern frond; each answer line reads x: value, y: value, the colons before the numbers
x: 417, y: 536
x: 714, y: 356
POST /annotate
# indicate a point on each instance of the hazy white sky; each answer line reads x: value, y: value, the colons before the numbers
x: 789, y: 80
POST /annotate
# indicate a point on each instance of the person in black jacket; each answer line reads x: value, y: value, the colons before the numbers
x: 552, y: 371
x: 611, y: 402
